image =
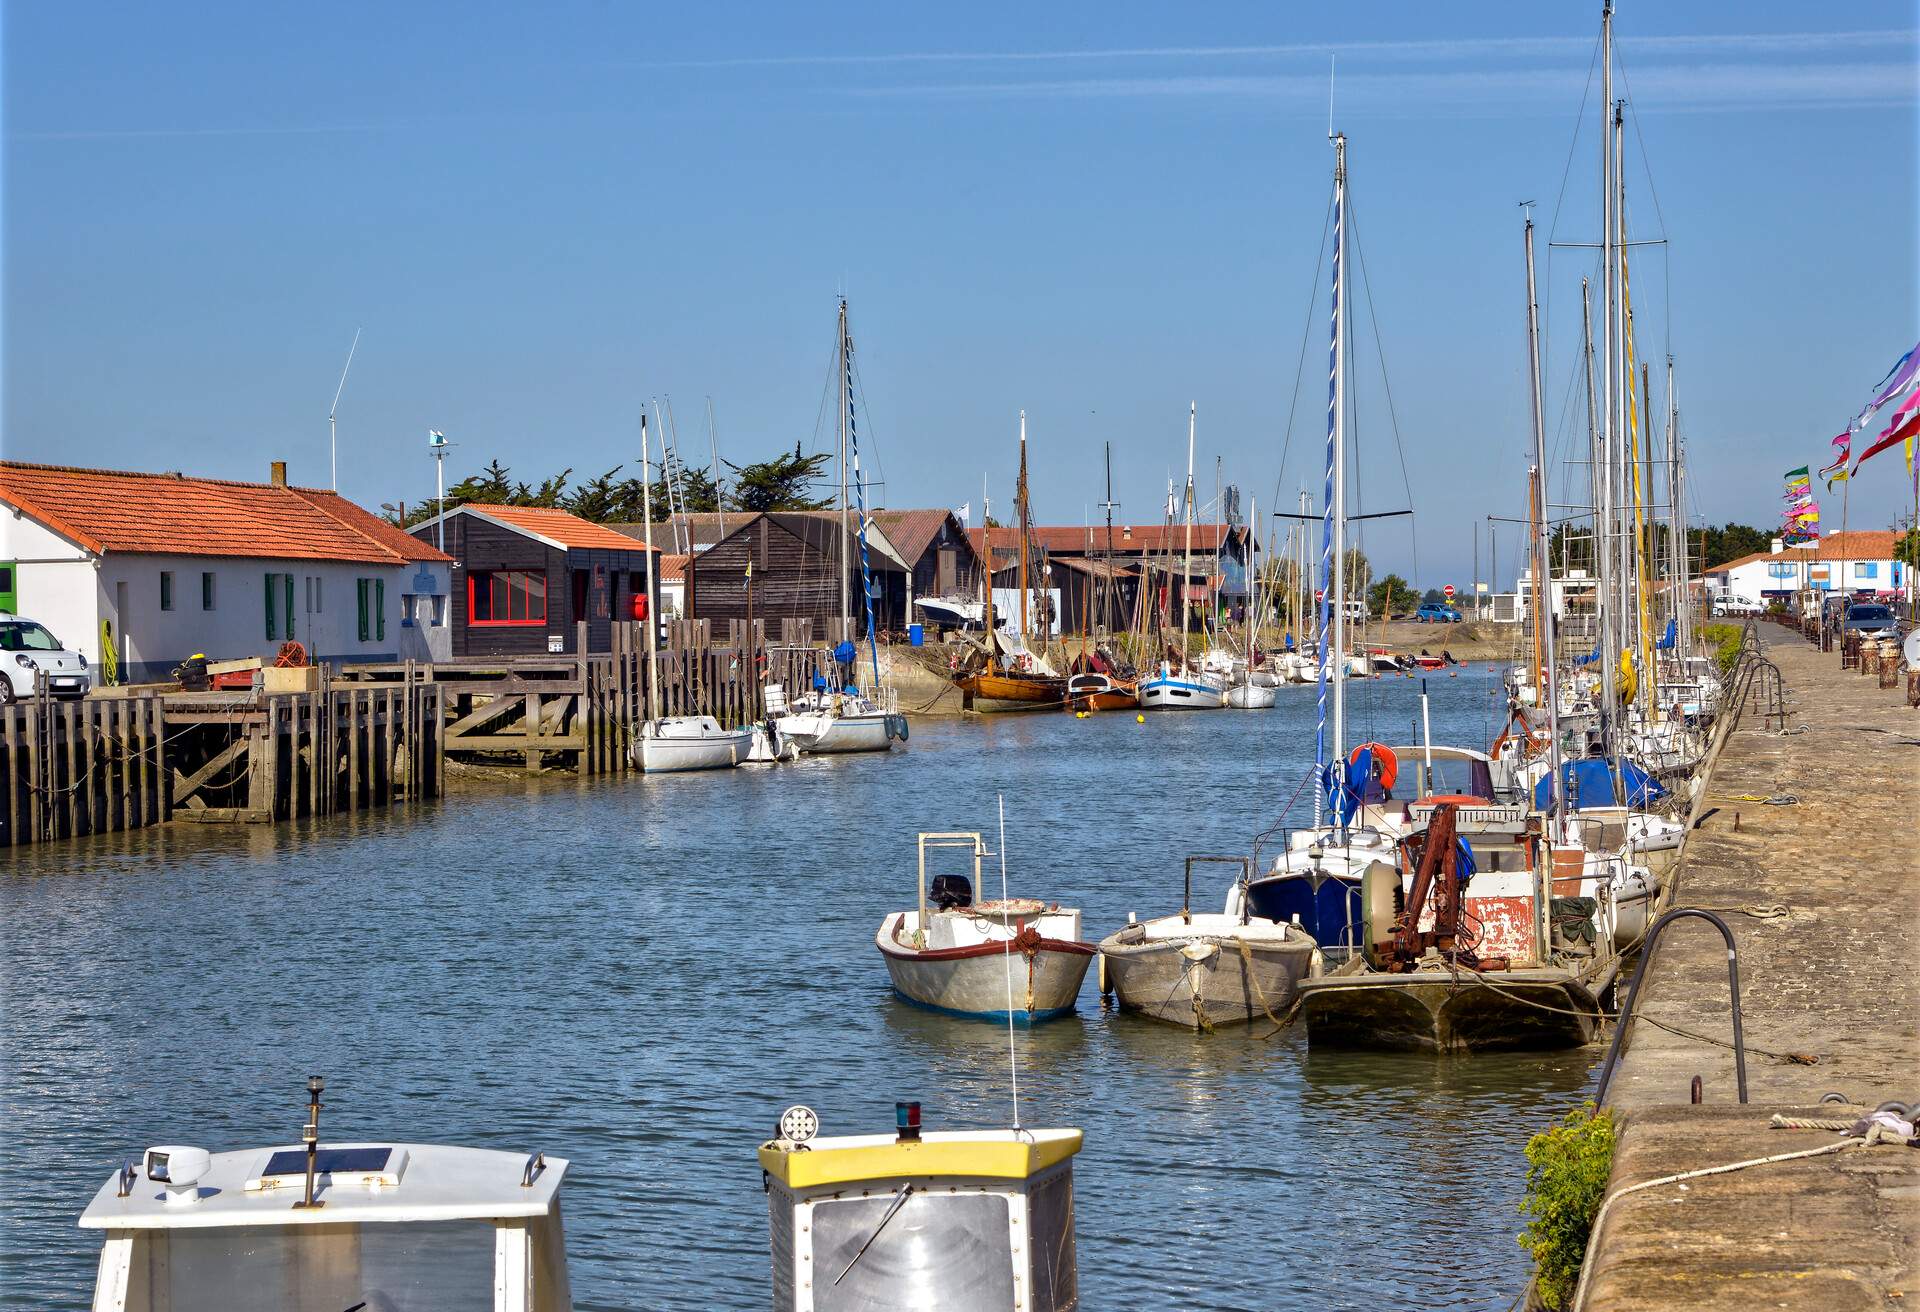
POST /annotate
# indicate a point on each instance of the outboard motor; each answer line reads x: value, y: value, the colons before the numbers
x: 951, y: 892
x: 192, y: 673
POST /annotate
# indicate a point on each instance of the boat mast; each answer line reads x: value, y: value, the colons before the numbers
x: 646, y: 516
x: 1337, y: 442
x: 1109, y: 612
x: 1020, y: 496
x: 840, y: 426
x: 1600, y: 476
x: 1186, y: 562
x: 1543, y: 624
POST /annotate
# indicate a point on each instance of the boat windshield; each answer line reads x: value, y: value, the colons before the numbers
x: 937, y: 1253
x: 25, y: 635
x: 423, y: 1266
x: 1456, y: 776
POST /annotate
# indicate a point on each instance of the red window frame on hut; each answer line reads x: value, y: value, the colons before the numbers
x: 498, y: 598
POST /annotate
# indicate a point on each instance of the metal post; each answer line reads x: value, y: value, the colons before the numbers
x: 1640, y: 976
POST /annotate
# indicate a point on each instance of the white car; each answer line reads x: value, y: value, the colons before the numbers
x: 28, y: 653
x: 1736, y: 606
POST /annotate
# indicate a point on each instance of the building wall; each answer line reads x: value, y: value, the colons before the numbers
x: 1793, y: 570
x: 476, y: 544
x: 791, y: 580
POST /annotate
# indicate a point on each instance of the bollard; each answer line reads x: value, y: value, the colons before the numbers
x: 1695, y: 1098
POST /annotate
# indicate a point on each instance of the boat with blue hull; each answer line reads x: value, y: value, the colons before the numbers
x: 1010, y: 959
x: 1181, y: 690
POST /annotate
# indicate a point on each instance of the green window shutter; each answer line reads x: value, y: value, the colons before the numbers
x: 380, y: 609
x: 361, y: 593
x: 273, y: 605
x: 288, y: 578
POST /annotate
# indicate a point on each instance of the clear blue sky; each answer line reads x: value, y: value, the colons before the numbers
x: 543, y: 215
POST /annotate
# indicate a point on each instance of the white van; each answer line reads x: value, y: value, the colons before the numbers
x: 28, y: 653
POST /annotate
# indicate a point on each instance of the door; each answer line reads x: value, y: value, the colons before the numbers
x: 580, y: 582
x: 947, y: 575
x: 9, y: 593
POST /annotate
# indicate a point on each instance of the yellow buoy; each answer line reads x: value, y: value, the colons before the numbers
x: 1139, y: 719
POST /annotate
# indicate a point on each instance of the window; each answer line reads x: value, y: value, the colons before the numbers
x: 166, y: 589
x: 407, y: 603
x: 380, y: 610
x: 970, y: 1267
x: 506, y: 596
x: 206, y: 590
x: 1866, y: 569
x: 363, y: 590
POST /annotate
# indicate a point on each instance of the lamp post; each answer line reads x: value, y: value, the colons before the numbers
x: 438, y: 444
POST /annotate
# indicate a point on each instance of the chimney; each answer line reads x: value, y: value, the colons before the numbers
x: 278, y: 473
x: 1778, y: 546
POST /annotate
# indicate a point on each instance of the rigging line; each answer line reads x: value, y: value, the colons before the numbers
x: 1306, y: 331
x: 1386, y: 383
x: 1646, y: 169
x: 860, y: 398
x: 1559, y: 199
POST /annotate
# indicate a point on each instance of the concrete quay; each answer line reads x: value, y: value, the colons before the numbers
x: 1830, y: 996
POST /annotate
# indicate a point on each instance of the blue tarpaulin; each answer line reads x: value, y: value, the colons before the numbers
x: 1667, y: 638
x: 1589, y: 782
x: 1589, y: 658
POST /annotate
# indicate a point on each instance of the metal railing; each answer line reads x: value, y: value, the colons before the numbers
x: 1625, y: 1017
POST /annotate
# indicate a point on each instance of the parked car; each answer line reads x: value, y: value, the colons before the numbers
x: 1871, y: 619
x: 1732, y: 605
x: 28, y: 652
x: 1435, y: 612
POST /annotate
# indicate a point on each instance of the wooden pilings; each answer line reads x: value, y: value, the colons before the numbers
x: 102, y: 764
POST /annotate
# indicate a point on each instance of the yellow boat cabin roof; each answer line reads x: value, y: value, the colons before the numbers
x: 856, y: 1159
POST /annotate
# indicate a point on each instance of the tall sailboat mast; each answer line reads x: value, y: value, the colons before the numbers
x: 1186, y: 563
x: 840, y: 425
x: 1021, y: 496
x: 1337, y: 442
x: 648, y: 624
x: 1543, y: 622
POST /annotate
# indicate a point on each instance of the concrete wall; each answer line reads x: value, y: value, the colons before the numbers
x: 54, y: 581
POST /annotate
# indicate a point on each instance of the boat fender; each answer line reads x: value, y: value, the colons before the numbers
x: 897, y: 727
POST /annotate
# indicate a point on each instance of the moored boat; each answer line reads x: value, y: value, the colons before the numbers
x: 1251, y: 696
x: 690, y: 742
x: 1094, y: 691
x: 1205, y: 969
x: 1017, y: 959
x: 921, y: 1221
x: 1181, y: 690
x: 352, y: 1225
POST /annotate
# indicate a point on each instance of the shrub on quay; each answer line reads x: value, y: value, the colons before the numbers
x: 1567, y: 1170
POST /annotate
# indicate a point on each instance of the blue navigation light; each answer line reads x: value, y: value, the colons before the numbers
x: 906, y: 1119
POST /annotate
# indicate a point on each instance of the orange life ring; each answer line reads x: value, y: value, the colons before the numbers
x: 1383, y: 754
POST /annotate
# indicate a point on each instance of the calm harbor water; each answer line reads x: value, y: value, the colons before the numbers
x: 637, y: 975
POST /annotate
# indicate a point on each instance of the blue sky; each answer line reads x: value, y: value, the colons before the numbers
x: 542, y: 217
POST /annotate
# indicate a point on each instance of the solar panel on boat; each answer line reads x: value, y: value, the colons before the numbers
x: 293, y: 1161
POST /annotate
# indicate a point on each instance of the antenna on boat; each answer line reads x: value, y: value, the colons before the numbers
x: 333, y: 443
x: 316, y: 1084
x: 1006, y: 912
x: 1331, y: 60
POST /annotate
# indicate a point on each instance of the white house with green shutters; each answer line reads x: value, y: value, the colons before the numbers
x: 140, y: 571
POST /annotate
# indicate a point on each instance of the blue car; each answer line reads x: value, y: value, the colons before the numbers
x: 1436, y: 613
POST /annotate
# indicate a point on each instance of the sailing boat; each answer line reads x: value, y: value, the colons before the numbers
x: 1250, y: 694
x: 1012, y: 676
x: 843, y: 719
x: 1184, y: 688
x: 674, y: 743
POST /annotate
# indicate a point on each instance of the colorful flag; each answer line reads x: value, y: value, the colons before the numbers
x: 1837, y: 471
x: 1905, y: 372
x: 1888, y: 436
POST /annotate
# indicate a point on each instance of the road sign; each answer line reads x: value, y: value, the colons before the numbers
x: 1447, y: 592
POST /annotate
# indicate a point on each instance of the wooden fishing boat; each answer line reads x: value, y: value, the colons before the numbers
x: 1094, y: 691
x: 1206, y: 969
x: 921, y: 1222
x: 992, y: 691
x: 1466, y: 958
x: 349, y: 1225
x: 1017, y: 959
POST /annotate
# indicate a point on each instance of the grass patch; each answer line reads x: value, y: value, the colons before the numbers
x: 1726, y: 644
x: 1567, y: 1170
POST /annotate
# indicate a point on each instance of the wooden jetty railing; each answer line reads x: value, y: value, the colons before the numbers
x: 587, y: 709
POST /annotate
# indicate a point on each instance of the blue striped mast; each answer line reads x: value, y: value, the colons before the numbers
x: 859, y: 486
x: 1333, y: 523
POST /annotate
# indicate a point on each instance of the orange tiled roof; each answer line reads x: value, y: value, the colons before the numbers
x: 107, y: 510
x: 561, y: 526
x: 1855, y: 544
x: 673, y: 569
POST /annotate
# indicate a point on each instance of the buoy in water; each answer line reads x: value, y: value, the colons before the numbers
x: 1139, y: 719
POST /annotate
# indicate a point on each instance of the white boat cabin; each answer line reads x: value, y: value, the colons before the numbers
x: 980, y: 1220
x: 423, y: 1227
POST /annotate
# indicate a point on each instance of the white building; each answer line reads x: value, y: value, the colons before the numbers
x: 157, y: 567
x: 1860, y: 562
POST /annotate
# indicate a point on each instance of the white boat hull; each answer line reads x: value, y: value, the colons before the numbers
x: 1026, y: 981
x: 1207, y: 971
x: 1251, y: 697
x: 820, y: 732
x: 671, y: 746
x: 1178, y: 693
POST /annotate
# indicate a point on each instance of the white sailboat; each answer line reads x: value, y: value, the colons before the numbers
x: 1248, y: 692
x: 844, y: 719
x: 1184, y: 688
x: 675, y: 743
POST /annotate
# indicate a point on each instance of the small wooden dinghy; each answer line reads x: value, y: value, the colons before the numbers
x: 352, y: 1225
x: 1207, y: 969
x: 1094, y: 691
x: 1016, y: 958
x: 973, y: 1219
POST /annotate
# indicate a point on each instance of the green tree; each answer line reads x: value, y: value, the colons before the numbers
x: 1391, y: 591
x: 1907, y: 548
x: 1433, y: 597
x: 783, y: 483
